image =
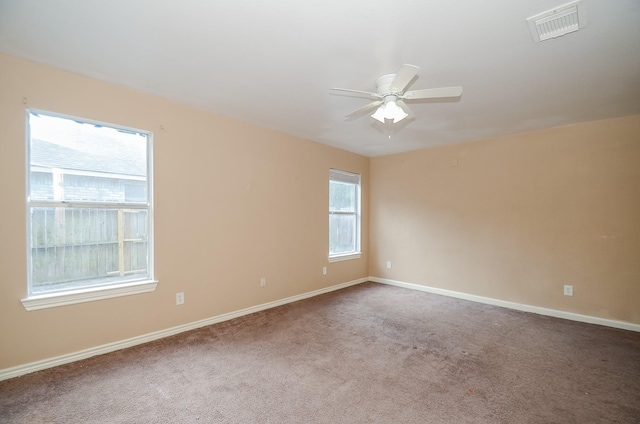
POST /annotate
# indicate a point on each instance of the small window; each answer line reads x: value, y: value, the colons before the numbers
x: 344, y: 215
x: 88, y: 204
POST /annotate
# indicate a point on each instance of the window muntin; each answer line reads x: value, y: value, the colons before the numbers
x: 344, y: 213
x: 88, y: 204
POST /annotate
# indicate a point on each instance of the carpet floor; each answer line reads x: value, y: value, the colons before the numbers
x: 370, y: 353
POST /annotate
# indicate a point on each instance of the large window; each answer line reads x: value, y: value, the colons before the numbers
x: 344, y: 215
x: 88, y: 204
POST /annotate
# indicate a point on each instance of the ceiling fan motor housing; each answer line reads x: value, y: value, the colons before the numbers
x: 383, y: 84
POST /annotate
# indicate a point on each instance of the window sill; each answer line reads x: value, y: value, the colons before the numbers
x: 346, y: 257
x: 52, y: 300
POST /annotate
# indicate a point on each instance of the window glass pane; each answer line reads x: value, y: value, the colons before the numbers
x: 73, y: 161
x: 342, y: 234
x: 343, y: 212
x: 342, y: 196
x: 89, y: 205
x: 70, y: 246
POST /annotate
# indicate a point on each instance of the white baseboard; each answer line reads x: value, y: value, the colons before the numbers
x: 19, y: 370
x: 513, y: 305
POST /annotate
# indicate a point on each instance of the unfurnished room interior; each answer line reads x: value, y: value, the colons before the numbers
x: 320, y: 212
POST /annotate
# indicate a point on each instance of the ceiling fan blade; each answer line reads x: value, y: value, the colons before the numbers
x: 356, y: 93
x: 402, y: 79
x: 433, y: 93
x: 364, y: 109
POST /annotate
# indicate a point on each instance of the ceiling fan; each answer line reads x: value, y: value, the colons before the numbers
x: 391, y: 95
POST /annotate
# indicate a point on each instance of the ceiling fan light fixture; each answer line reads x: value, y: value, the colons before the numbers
x: 389, y: 110
x: 379, y: 114
x: 395, y: 112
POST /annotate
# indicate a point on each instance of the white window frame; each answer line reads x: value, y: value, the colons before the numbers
x: 97, y: 292
x: 351, y: 178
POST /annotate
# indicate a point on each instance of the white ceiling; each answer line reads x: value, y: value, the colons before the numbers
x: 272, y: 63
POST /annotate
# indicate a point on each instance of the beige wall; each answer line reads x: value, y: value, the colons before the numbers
x: 233, y: 203
x: 517, y: 217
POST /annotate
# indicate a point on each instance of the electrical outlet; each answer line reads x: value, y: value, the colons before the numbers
x: 324, y: 270
x: 179, y: 298
x: 568, y: 290
x: 263, y: 282
x: 388, y: 264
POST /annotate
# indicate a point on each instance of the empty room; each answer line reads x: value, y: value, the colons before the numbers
x: 320, y: 212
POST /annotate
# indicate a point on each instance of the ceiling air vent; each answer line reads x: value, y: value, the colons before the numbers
x: 559, y: 21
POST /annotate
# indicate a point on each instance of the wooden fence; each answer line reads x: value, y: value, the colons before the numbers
x: 79, y: 244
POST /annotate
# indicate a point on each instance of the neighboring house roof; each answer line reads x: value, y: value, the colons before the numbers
x: 114, y: 158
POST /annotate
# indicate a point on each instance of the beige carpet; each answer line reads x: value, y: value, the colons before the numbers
x: 367, y: 354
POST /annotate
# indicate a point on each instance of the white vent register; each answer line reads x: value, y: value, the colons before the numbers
x: 558, y: 21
